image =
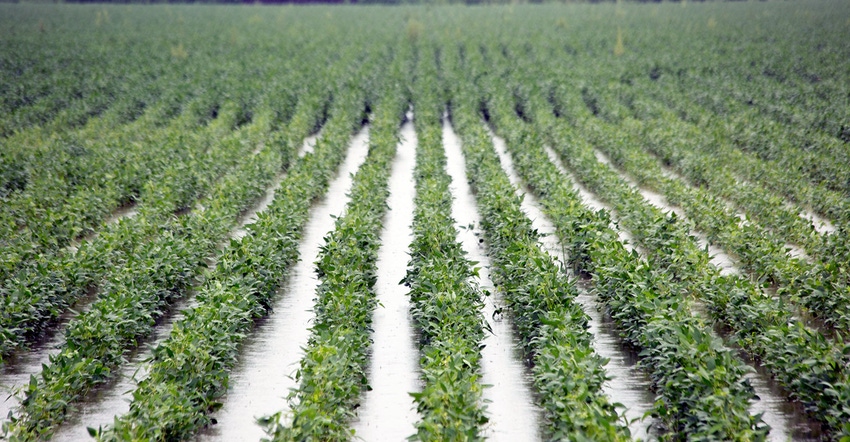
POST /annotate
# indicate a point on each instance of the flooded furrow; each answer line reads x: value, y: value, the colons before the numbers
x: 821, y: 224
x: 513, y: 414
x: 16, y: 371
x: 718, y: 257
x: 101, y: 407
x: 113, y: 399
x: 387, y: 411
x: 309, y: 144
x: 24, y: 363
x: 265, y: 373
x: 795, y: 426
x: 628, y: 386
x: 779, y: 418
x: 250, y: 216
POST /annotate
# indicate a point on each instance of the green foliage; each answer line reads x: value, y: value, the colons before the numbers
x: 332, y: 372
x: 446, y: 300
x: 101, y: 111
x: 568, y: 375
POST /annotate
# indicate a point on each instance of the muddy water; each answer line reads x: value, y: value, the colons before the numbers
x: 250, y: 216
x: 719, y: 258
x: 781, y: 419
x: 17, y: 369
x: 113, y: 399
x: 387, y: 412
x: 795, y: 426
x: 628, y: 385
x: 786, y: 419
x: 513, y: 414
x: 270, y: 356
x: 821, y: 224
x: 309, y: 144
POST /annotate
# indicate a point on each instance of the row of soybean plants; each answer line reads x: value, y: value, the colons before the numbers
x: 780, y: 86
x: 776, y: 172
x: 189, y: 371
x: 41, y: 290
x: 332, y: 373
x: 818, y: 282
x: 567, y: 374
x: 189, y: 162
x: 701, y: 386
x: 798, y: 82
x: 61, y: 67
x: 820, y: 159
x: 66, y: 181
x: 136, y: 294
x: 162, y: 266
x: 161, y: 162
x: 445, y: 299
x: 60, y: 182
x: 811, y: 367
x: 800, y: 357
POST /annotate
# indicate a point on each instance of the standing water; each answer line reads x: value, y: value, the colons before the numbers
x: 264, y: 375
x: 113, y: 399
x: 16, y: 371
x: 720, y: 259
x: 513, y: 414
x: 780, y: 418
x: 387, y: 411
x: 250, y: 216
x: 627, y: 386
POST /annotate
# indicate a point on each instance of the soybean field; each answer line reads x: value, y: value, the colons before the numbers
x: 518, y: 222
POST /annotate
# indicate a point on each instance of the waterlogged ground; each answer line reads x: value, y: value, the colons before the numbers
x: 387, y: 411
x: 639, y: 63
x: 513, y: 413
x: 261, y: 382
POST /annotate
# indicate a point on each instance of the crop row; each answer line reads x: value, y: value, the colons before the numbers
x: 135, y: 296
x: 189, y: 371
x: 798, y: 356
x: 43, y: 290
x: 68, y: 181
x: 69, y: 81
x: 568, y: 375
x: 332, y: 372
x: 780, y: 171
x: 818, y: 283
x: 78, y: 188
x: 701, y: 385
x: 806, y: 363
x: 446, y: 299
